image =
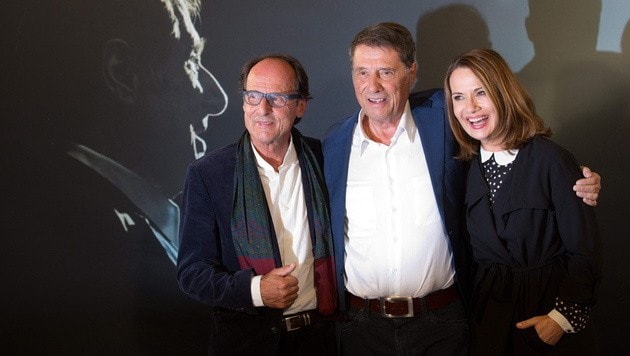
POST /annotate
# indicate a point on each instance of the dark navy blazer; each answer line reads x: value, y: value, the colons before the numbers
x: 447, y: 176
x: 207, y: 268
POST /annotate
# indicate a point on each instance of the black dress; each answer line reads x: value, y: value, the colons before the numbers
x: 536, y: 244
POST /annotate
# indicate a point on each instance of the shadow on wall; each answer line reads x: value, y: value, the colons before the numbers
x: 584, y: 96
x: 444, y: 34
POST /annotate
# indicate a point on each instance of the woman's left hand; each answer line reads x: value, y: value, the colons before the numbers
x: 548, y: 330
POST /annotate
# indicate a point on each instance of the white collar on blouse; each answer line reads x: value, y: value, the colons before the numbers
x: 502, y: 157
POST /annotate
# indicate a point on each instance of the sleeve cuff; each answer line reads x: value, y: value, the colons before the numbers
x: 255, y: 290
x: 561, y: 320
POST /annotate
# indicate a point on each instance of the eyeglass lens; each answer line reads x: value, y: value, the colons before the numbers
x: 275, y: 99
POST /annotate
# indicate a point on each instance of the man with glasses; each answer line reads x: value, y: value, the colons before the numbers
x: 255, y: 236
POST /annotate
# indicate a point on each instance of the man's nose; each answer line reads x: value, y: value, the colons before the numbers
x: 265, y: 106
x: 374, y: 82
x: 213, y: 92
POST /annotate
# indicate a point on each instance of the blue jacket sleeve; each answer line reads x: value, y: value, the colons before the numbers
x: 207, y: 268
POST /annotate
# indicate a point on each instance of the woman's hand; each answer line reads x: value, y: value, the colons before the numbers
x: 547, y: 329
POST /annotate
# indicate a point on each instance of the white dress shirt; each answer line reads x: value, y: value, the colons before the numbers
x: 284, y: 193
x: 395, y: 242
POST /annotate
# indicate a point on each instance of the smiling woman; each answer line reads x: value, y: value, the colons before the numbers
x: 474, y: 110
x: 536, y: 243
x: 482, y: 80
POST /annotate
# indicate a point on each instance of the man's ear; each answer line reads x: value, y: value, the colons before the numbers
x: 119, y: 70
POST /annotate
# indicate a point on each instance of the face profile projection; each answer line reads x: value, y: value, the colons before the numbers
x: 165, y: 98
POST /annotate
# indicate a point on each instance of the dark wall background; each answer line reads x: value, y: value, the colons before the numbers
x: 80, y: 278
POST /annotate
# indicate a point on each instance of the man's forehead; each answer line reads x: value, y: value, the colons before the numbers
x: 367, y: 52
x: 377, y: 63
x: 271, y: 72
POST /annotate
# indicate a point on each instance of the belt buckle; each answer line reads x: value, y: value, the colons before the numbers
x: 288, y: 321
x: 396, y: 299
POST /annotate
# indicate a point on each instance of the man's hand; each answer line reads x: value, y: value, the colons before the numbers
x: 547, y: 329
x: 278, y: 288
x: 588, y: 187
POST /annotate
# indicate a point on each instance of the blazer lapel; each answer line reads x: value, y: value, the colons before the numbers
x: 336, y: 147
x: 476, y: 186
x: 487, y: 223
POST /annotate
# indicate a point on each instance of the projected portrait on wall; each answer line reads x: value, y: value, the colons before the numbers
x: 131, y: 100
x: 167, y: 97
x: 112, y: 101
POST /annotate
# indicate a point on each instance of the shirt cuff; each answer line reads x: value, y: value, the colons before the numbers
x: 561, y: 320
x: 255, y: 290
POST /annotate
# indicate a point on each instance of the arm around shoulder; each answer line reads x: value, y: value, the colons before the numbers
x: 588, y: 188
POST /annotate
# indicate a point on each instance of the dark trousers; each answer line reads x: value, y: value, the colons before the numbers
x: 316, y: 340
x: 439, y: 332
x: 238, y: 333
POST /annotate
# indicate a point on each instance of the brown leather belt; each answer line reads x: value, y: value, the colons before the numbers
x: 405, y: 307
x: 299, y: 320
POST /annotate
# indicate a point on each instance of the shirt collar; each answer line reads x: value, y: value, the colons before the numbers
x: 289, y: 157
x: 501, y: 157
x: 406, y: 125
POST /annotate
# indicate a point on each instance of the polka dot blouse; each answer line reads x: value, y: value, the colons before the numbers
x: 576, y: 314
x: 495, y: 175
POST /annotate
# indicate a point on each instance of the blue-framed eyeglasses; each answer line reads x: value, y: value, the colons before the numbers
x: 277, y: 100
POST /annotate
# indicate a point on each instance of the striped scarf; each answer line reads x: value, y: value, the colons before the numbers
x: 252, y: 231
